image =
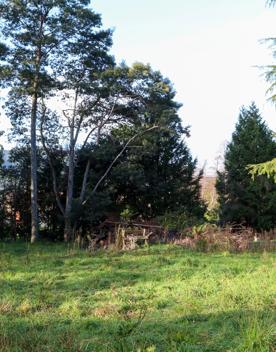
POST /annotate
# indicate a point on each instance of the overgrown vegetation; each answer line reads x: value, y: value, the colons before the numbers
x: 57, y: 298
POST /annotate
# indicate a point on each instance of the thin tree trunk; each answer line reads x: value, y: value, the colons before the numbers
x: 84, y: 181
x: 85, y: 178
x: 34, y: 205
x: 68, y: 228
x: 83, y: 190
x: 68, y: 233
x: 53, y: 171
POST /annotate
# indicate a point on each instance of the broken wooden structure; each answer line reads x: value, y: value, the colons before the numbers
x: 124, y: 235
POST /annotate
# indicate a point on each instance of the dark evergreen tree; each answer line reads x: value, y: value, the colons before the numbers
x: 156, y: 173
x: 244, y: 200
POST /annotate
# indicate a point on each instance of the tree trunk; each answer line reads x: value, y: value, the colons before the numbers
x: 34, y: 206
x: 68, y: 232
x: 68, y: 226
x: 84, y: 181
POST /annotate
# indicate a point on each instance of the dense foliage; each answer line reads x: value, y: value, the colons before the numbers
x: 68, y: 104
x: 154, y: 175
x: 242, y: 199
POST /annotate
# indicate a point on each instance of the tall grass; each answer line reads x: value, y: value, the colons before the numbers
x: 162, y: 298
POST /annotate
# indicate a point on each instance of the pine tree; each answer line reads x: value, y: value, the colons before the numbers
x: 40, y: 36
x: 244, y: 200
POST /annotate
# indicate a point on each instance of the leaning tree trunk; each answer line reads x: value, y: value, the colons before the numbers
x: 34, y: 206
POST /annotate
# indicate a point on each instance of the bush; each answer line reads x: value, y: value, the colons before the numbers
x: 178, y: 221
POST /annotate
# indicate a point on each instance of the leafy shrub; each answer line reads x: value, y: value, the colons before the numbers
x: 178, y: 220
x: 212, y: 215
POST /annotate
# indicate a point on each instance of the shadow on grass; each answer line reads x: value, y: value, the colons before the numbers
x: 241, y: 331
x: 24, y: 271
x: 42, y: 284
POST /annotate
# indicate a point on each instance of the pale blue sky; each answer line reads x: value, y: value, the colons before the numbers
x: 208, y: 48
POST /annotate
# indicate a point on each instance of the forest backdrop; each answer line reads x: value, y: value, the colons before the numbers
x: 95, y: 138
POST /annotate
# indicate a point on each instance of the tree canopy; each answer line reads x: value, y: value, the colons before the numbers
x: 244, y: 200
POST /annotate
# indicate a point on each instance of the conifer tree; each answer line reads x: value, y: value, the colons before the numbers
x: 156, y: 173
x: 244, y: 200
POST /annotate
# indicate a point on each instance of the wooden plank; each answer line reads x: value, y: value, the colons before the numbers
x: 131, y: 224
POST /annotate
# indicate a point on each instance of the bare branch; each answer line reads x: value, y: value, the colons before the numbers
x: 100, y: 126
x: 87, y: 137
x: 115, y: 159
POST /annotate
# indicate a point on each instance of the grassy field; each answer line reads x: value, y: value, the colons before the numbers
x: 161, y: 298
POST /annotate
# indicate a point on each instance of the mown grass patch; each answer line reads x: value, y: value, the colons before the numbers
x: 162, y: 298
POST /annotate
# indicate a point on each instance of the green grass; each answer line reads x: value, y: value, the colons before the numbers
x: 161, y: 298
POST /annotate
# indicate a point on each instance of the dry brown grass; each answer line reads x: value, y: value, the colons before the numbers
x: 5, y: 308
x: 237, y: 239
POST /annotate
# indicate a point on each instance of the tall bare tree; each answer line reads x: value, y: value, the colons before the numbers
x: 39, y: 36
